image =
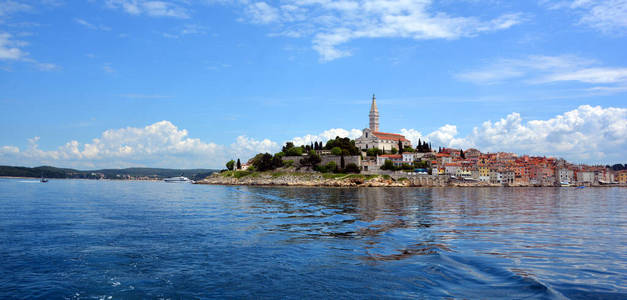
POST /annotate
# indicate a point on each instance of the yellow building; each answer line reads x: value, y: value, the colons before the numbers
x: 621, y: 176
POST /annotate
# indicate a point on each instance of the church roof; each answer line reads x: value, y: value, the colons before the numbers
x: 389, y: 136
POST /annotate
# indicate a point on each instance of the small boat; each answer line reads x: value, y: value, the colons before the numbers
x: 581, y: 187
x: 177, y: 179
x: 43, y: 179
x: 564, y: 183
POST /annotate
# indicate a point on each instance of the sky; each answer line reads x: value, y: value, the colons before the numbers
x: 192, y: 84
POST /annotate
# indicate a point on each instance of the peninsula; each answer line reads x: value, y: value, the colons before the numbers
x: 379, y: 158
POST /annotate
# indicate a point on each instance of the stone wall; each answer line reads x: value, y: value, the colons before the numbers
x: 337, y: 159
x: 326, y: 159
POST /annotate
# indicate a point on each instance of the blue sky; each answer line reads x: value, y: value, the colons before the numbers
x: 91, y: 84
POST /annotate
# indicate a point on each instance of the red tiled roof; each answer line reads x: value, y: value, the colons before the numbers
x: 389, y: 136
x: 392, y: 155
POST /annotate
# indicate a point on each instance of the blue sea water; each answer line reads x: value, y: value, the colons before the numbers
x: 82, y: 239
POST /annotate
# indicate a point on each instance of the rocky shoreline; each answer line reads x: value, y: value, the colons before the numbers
x: 320, y: 180
x: 314, y: 179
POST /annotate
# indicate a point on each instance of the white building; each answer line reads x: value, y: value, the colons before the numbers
x: 585, y: 177
x: 565, y: 175
x: 372, y: 138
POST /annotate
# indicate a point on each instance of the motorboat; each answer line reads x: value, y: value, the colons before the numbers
x: 564, y: 183
x: 43, y: 179
x: 178, y: 179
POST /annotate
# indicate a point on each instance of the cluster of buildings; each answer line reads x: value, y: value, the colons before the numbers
x: 472, y: 165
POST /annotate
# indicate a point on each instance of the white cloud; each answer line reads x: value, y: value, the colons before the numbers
x: 590, y: 75
x: 247, y: 147
x: 9, y: 149
x: 10, y: 48
x: 108, y: 68
x: 8, y: 8
x: 413, y: 135
x: 150, y: 8
x: 262, y: 13
x: 326, y: 135
x: 608, y: 16
x: 586, y: 134
x: 91, y: 26
x: 540, y: 69
x: 331, y: 24
x: 161, y: 144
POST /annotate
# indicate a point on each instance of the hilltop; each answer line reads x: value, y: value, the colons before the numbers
x: 128, y: 173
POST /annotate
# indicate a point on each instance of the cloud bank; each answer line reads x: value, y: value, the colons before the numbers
x: 590, y: 134
x: 331, y: 24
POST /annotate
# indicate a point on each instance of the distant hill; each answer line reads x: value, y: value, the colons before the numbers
x: 129, y: 173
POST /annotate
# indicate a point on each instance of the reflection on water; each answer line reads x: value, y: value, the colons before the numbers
x: 127, y: 239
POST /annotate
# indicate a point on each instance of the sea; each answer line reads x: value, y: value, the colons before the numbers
x: 88, y: 239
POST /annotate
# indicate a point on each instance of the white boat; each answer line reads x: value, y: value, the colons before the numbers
x: 564, y: 183
x: 177, y: 179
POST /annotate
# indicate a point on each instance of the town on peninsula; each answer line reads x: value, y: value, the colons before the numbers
x: 388, y: 159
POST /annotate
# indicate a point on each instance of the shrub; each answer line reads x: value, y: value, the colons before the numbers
x: 230, y: 165
x: 336, y: 151
x: 263, y: 162
x: 388, y: 165
x: 374, y: 152
x: 331, y: 166
x: 311, y: 160
x: 351, y: 168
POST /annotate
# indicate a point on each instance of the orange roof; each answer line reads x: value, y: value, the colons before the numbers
x: 389, y: 136
x: 392, y: 155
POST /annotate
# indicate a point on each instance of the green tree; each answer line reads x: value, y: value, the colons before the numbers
x: 461, y: 154
x: 263, y: 162
x: 394, y: 151
x: 388, y: 165
x: 342, y: 161
x: 336, y: 150
x: 311, y: 160
x: 351, y: 168
x: 230, y: 164
x: 288, y: 145
x: 277, y: 160
x: 294, y: 151
x: 344, y: 144
x: 374, y: 152
x: 239, y: 164
x: 400, y: 146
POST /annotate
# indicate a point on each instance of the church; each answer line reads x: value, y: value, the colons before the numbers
x: 372, y: 138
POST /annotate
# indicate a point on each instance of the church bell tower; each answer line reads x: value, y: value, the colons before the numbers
x: 374, y: 115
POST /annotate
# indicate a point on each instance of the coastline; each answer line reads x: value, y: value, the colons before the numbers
x: 311, y: 179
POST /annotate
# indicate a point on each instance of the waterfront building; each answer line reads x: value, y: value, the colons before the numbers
x: 585, y: 176
x: 371, y: 137
x: 565, y: 175
x: 621, y: 176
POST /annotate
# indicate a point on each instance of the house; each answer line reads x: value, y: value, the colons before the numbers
x: 397, y: 159
x: 621, y: 176
x: 564, y: 175
x: 585, y: 176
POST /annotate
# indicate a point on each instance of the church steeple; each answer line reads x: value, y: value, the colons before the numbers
x: 374, y: 115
